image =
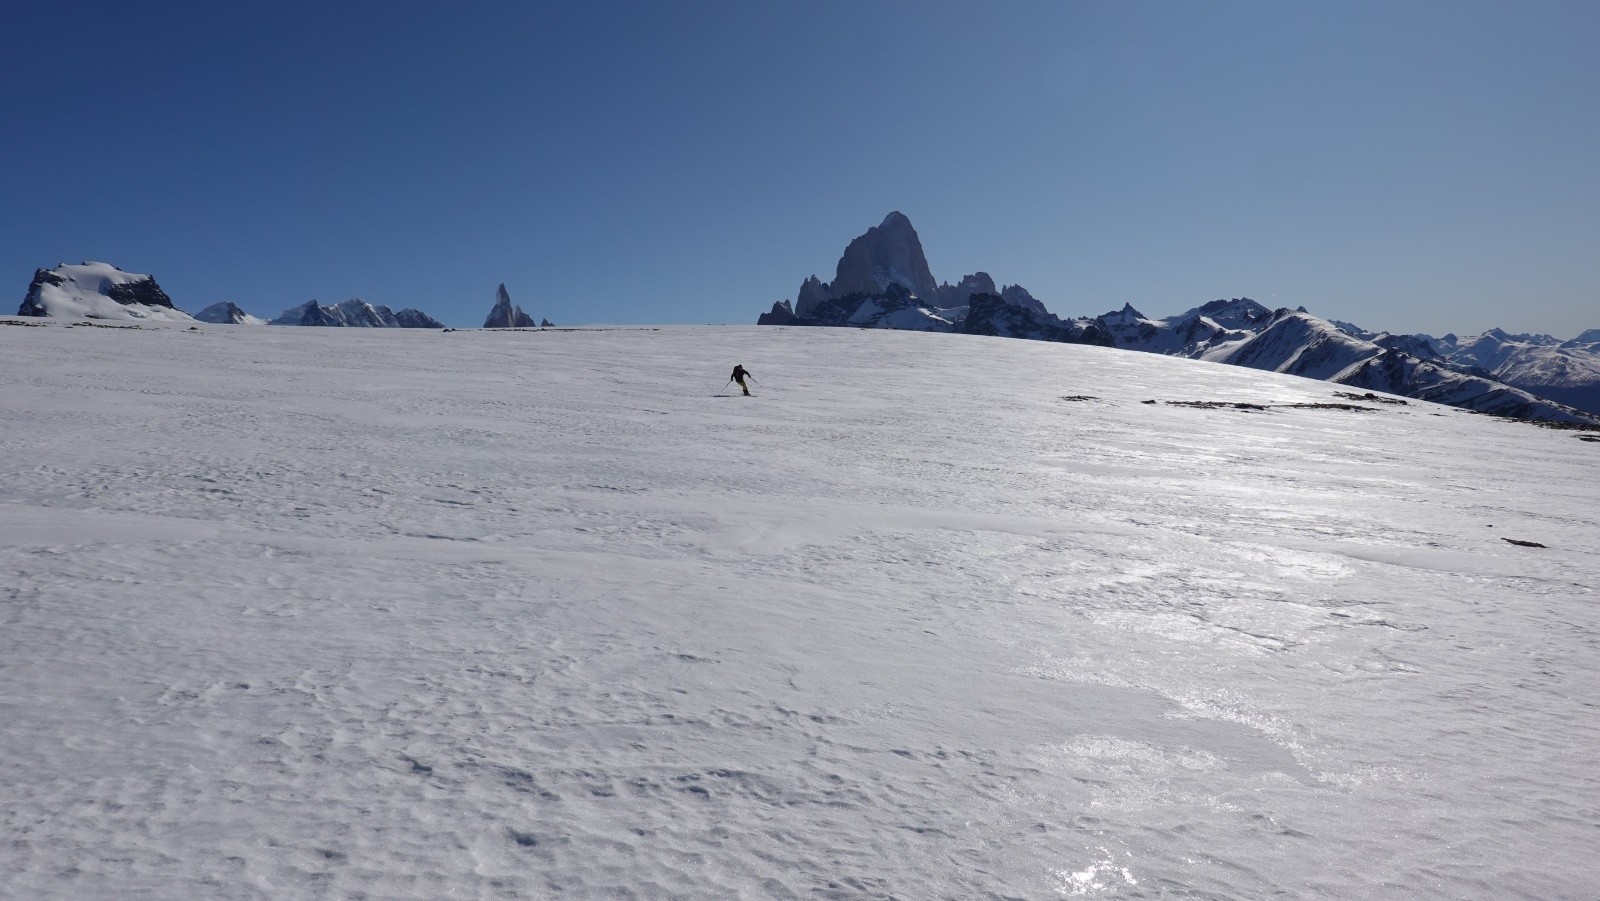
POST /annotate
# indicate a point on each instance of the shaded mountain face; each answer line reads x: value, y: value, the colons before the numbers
x: 354, y: 313
x: 890, y: 254
x: 504, y: 315
x: 414, y: 318
x: 883, y: 281
x: 92, y: 290
x: 990, y: 314
x: 227, y: 313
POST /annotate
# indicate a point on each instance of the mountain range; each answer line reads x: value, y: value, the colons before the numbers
x: 354, y: 313
x: 92, y: 290
x: 883, y: 281
x: 102, y: 291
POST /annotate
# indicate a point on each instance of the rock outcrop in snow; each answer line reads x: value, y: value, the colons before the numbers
x: 883, y: 281
x: 505, y: 315
x: 354, y: 313
x: 228, y: 313
x: 92, y: 290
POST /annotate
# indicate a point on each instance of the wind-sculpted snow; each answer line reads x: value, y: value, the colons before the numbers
x: 550, y: 614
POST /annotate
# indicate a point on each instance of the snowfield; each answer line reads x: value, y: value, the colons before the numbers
x: 318, y: 613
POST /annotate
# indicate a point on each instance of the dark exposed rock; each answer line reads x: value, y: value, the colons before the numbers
x: 781, y: 315
x: 145, y: 291
x: 989, y: 314
x: 1018, y: 296
x: 32, y: 305
x: 813, y: 293
x: 959, y: 294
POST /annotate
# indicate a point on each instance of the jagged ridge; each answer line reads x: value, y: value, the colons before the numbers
x: 883, y: 281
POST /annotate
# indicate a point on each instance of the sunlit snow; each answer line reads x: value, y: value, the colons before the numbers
x: 82, y: 293
x: 481, y: 614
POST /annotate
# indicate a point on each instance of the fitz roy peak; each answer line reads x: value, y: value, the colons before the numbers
x: 883, y: 281
x: 890, y: 254
x: 91, y: 290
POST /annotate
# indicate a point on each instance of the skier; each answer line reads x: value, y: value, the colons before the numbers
x: 739, y: 374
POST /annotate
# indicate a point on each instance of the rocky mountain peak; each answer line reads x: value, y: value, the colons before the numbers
x: 1018, y: 296
x: 504, y: 315
x: 890, y: 253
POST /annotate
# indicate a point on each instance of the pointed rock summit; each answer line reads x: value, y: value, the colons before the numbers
x: 890, y: 254
x: 504, y: 315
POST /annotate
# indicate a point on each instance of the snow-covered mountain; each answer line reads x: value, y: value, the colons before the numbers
x: 1564, y: 371
x: 228, y: 313
x: 1192, y: 333
x: 1244, y: 333
x: 93, y: 290
x: 930, y: 617
x: 883, y: 281
x: 355, y: 313
x: 505, y: 315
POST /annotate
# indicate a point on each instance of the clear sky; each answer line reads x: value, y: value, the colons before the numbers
x: 1405, y: 166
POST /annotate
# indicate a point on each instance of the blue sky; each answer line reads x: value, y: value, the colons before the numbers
x: 1406, y: 166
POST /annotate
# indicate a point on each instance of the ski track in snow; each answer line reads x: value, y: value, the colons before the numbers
x: 331, y: 613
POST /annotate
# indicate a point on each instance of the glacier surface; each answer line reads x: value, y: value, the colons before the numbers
x: 539, y: 614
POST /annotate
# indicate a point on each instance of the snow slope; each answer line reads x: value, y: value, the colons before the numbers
x: 549, y: 614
